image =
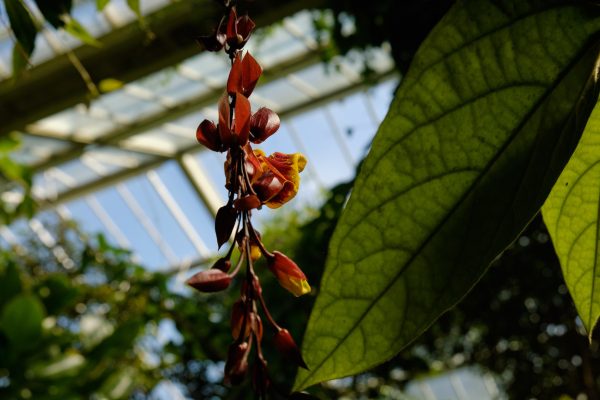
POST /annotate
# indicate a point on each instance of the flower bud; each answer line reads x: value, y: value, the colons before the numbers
x: 238, y: 30
x: 237, y: 320
x: 224, y: 223
x: 289, y: 275
x: 287, y: 347
x: 256, y: 325
x: 260, y: 378
x: 263, y: 124
x: 255, y: 251
x: 236, y: 366
x: 210, y: 280
x: 256, y: 285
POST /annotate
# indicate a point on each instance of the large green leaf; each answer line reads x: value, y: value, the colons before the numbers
x: 572, y: 215
x: 484, y: 121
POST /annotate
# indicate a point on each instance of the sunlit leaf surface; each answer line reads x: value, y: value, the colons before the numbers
x: 484, y: 121
x: 571, y: 213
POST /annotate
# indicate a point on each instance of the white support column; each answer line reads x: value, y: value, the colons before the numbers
x: 107, y: 221
x: 151, y: 229
x: 200, y: 182
x: 178, y: 213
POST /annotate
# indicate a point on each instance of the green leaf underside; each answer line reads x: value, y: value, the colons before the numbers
x: 572, y: 215
x: 484, y: 121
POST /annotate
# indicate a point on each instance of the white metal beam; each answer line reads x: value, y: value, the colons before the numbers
x: 200, y: 182
x: 177, y: 213
x: 147, y: 223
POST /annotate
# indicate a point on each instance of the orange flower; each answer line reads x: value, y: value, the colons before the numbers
x: 289, y: 275
x: 276, y: 178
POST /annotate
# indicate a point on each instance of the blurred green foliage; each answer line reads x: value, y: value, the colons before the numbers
x: 349, y: 27
x: 15, y: 183
x: 93, y: 331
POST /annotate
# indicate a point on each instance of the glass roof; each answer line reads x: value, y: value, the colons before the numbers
x: 128, y: 164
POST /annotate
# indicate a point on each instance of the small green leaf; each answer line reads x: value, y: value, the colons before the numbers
x: 11, y: 170
x: 109, y: 85
x: 134, y: 5
x: 21, y: 24
x: 100, y: 4
x: 487, y: 116
x: 572, y: 215
x: 77, y: 30
x: 22, y: 321
x: 10, y: 142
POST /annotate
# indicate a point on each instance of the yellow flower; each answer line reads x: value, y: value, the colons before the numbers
x: 276, y: 178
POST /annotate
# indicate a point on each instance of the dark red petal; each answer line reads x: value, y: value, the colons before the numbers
x: 245, y: 26
x: 234, y: 81
x: 241, y: 126
x: 268, y: 186
x: 252, y: 163
x: 287, y: 347
x: 231, y: 31
x: 208, y: 135
x: 247, y: 203
x: 251, y: 71
x: 224, y: 223
x: 211, y: 280
x: 224, y: 125
x: 263, y: 124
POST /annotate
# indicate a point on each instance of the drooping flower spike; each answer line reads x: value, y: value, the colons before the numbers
x: 252, y: 180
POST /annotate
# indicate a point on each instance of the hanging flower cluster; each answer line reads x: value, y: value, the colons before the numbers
x: 253, y: 180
